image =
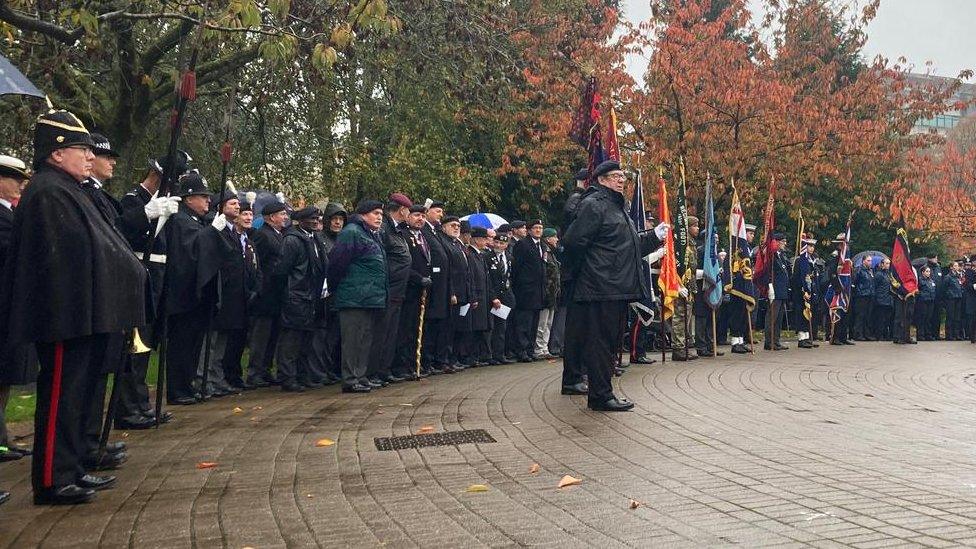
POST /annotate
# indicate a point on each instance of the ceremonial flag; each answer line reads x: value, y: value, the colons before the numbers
x: 739, y: 254
x: 712, y: 283
x: 587, y: 115
x: 838, y: 294
x: 668, y: 280
x: 612, y: 148
x: 903, y: 279
x: 643, y: 309
x: 764, y: 256
x: 801, y: 229
x: 681, y: 239
x: 595, y: 154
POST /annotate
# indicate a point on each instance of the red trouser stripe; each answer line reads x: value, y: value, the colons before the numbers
x: 52, y: 416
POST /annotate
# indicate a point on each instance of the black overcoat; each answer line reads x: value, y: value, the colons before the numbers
x: 267, y: 244
x: 239, y: 279
x: 195, y: 253
x: 439, y: 293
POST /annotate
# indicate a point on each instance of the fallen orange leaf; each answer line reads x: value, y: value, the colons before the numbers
x: 634, y: 504
x: 324, y: 442
x: 534, y: 468
x: 426, y: 429
x: 569, y: 481
x: 477, y: 488
x: 238, y: 410
x: 206, y: 465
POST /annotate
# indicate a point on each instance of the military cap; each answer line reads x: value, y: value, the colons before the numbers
x: 693, y: 220
x: 308, y: 212
x: 750, y: 227
x: 418, y: 208
x: 841, y: 237
x: 479, y: 232
x: 13, y: 167
x: 437, y: 204
x: 273, y: 208
x: 57, y: 130
x: 367, y: 206
x: 517, y: 224
x: 808, y: 238
x: 401, y: 199
x: 227, y: 195
x: 547, y: 233
x: 450, y: 219
x: 606, y: 167
x: 533, y: 223
x: 501, y: 237
x: 582, y: 175
x: 779, y: 236
x: 503, y: 228
x: 192, y: 183
x: 247, y: 207
x: 465, y: 226
x: 102, y: 146
x: 183, y: 160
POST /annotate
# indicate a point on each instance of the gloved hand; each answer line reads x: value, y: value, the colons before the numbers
x: 426, y: 282
x: 683, y: 292
x: 661, y: 231
x: 657, y: 254
x: 772, y: 292
x: 219, y: 222
x: 162, y: 206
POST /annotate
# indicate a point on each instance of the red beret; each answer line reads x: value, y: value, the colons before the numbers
x: 401, y: 199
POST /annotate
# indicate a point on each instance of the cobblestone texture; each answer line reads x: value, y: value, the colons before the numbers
x: 870, y: 446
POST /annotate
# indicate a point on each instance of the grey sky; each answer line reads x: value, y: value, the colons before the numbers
x: 920, y: 30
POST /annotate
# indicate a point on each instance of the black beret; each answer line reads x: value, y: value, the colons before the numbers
x: 102, y: 146
x: 437, y: 204
x: 503, y: 228
x: 465, y: 226
x: 367, y: 206
x: 246, y: 207
x: 228, y: 195
x: 192, y: 183
x: 273, y: 208
x: 479, y: 232
x: 418, y: 208
x: 517, y: 224
x: 308, y: 212
x: 57, y: 130
x: 533, y: 223
x: 450, y: 219
x: 606, y: 167
x: 582, y: 175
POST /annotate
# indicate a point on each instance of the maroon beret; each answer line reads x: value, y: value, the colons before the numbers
x: 401, y: 199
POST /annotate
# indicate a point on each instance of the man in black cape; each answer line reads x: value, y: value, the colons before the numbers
x: 71, y: 284
x: 606, y: 251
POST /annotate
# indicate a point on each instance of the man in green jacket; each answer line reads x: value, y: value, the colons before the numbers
x: 357, y: 275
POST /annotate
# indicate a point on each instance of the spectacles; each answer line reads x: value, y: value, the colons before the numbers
x: 617, y: 175
x: 85, y: 148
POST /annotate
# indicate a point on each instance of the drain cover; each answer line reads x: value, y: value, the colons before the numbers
x: 452, y: 438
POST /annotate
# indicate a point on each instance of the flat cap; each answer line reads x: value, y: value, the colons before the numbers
x: 367, y: 206
x: 479, y: 232
x: 418, y: 208
x: 517, y: 224
x: 606, y: 167
x: 533, y: 223
x: 308, y: 212
x: 273, y: 208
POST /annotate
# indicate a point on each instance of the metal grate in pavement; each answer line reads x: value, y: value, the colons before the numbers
x: 452, y: 438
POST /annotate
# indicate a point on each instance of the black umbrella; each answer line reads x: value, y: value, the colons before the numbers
x: 13, y: 82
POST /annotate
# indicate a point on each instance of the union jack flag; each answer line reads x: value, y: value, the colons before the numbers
x: 838, y: 294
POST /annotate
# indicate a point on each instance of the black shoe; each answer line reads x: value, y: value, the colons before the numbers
x: 612, y: 405
x: 740, y: 349
x: 779, y: 347
x: 164, y: 417
x: 578, y: 389
x: 106, y: 463
x: 4, y: 496
x: 134, y: 423
x: 805, y: 344
x: 257, y: 384
x: 617, y: 371
x: 643, y: 359
x: 182, y: 401
x: 374, y: 384
x: 912, y: 342
x: 509, y: 361
x: 313, y: 385
x: 393, y: 378
x: 10, y: 454
x: 96, y: 483
x: 357, y: 388
x: 292, y: 388
x: 115, y: 447
x: 710, y: 354
x: 682, y: 356
x: 847, y: 342
x: 66, y: 495
x: 836, y: 342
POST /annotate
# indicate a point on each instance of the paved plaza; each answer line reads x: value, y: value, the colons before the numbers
x: 867, y: 446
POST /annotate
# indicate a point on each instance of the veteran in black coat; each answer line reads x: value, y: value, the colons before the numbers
x: 499, y: 263
x: 396, y: 243
x: 71, y: 282
x: 418, y: 286
x: 438, y: 308
x: 266, y: 312
x: 529, y: 285
x: 606, y: 251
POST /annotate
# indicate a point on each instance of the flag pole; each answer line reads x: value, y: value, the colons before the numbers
x: 752, y: 344
x: 714, y: 335
x: 664, y: 334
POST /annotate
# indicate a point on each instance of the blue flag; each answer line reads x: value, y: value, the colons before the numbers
x: 13, y: 82
x: 712, y: 267
x: 644, y: 308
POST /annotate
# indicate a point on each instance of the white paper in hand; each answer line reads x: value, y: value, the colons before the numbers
x: 502, y: 312
x: 464, y: 309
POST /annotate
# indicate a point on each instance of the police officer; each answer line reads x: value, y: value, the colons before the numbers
x: 71, y: 283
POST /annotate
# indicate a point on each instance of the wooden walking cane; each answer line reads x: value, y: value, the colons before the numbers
x: 420, y: 329
x: 752, y: 344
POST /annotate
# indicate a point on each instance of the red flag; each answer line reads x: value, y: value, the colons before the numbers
x: 903, y: 279
x: 613, y: 150
x: 762, y: 273
x: 668, y: 280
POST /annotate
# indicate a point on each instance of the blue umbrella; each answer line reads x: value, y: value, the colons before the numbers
x: 485, y: 220
x: 13, y: 82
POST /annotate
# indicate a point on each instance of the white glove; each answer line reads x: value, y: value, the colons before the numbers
x: 772, y: 293
x: 162, y: 206
x: 219, y: 222
x: 657, y: 254
x: 699, y: 274
x: 683, y: 292
x: 661, y: 231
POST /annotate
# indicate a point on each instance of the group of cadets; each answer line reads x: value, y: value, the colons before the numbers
x: 389, y: 292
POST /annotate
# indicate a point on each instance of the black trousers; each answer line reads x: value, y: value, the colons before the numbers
x: 324, y: 360
x: 861, y: 312
x: 499, y: 337
x: 186, y: 334
x: 935, y: 318
x: 264, y: 340
x: 358, y: 329
x: 882, y: 321
x: 405, y: 357
x: 433, y: 351
x: 526, y: 324
x: 840, y: 328
x: 739, y: 319
x: 953, y: 309
x: 703, y: 333
x: 112, y: 365
x: 774, y: 322
x: 293, y: 346
x: 384, y: 348
x: 923, y: 319
x: 233, y: 354
x: 602, y: 324
x: 133, y: 391
x: 68, y: 377
x: 446, y: 336
x: 903, y: 314
x: 574, y: 343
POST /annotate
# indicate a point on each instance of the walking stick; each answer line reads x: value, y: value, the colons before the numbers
x: 752, y: 344
x: 420, y: 329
